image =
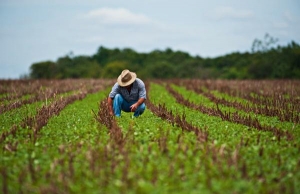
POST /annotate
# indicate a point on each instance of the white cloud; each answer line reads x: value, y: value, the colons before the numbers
x: 225, y: 12
x: 117, y: 16
x: 288, y: 16
x: 280, y: 25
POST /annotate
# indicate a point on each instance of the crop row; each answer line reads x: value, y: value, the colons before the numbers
x: 245, y: 164
x: 33, y: 155
x: 253, y: 90
x: 176, y: 150
x: 38, y: 90
x: 272, y: 98
x: 230, y: 116
x: 72, y: 145
x: 54, y: 103
x: 245, y: 138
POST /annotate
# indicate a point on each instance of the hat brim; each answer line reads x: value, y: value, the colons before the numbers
x: 133, y: 77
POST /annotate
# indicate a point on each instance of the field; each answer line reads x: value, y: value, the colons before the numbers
x: 196, y: 136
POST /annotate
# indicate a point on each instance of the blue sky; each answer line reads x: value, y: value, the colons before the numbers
x: 38, y: 30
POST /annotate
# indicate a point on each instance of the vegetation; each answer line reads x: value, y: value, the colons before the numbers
x: 266, y: 61
x: 195, y: 136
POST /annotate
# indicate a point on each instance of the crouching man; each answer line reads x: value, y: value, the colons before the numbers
x: 128, y: 95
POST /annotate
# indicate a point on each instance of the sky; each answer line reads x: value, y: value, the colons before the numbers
x: 40, y: 30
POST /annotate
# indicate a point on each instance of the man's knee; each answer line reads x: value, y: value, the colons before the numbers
x: 118, y: 98
x: 140, y: 110
x: 142, y: 106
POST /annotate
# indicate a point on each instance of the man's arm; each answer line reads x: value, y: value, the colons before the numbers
x: 112, y: 94
x: 110, y: 105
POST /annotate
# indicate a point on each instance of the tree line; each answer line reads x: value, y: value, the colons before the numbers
x: 265, y: 61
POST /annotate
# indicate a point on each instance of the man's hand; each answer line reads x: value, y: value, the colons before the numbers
x: 137, y: 104
x: 133, y: 107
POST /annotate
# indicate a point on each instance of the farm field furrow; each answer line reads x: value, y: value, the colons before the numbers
x: 200, y: 119
x: 72, y: 128
x: 255, y: 144
x: 274, y: 103
x: 261, y: 92
x: 44, y: 91
x: 278, y: 128
x: 166, y: 154
x: 32, y: 117
x: 24, y: 113
x: 288, y: 115
x: 73, y: 145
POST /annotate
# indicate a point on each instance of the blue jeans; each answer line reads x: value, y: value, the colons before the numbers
x: 121, y: 104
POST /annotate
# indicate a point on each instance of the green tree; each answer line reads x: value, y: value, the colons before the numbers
x: 113, y: 69
x: 85, y: 67
x: 102, y: 56
x: 161, y: 69
x: 46, y: 70
x: 264, y: 62
x: 188, y: 69
x: 264, y: 45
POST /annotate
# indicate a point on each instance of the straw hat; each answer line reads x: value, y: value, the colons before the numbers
x: 126, y: 78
